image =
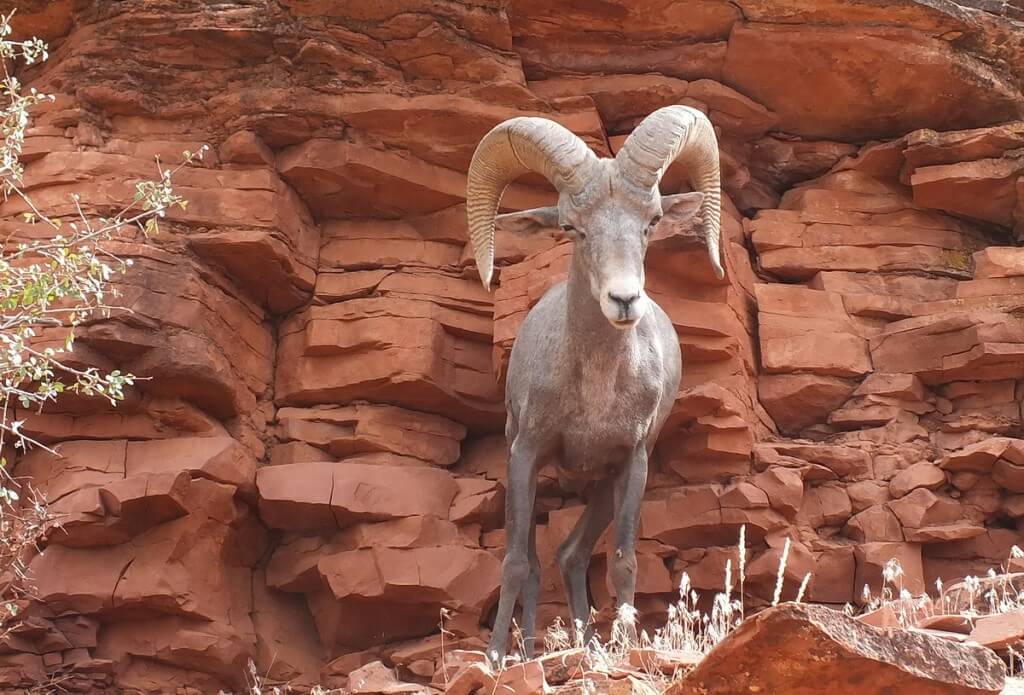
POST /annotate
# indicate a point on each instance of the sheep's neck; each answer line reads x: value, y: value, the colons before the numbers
x: 590, y: 334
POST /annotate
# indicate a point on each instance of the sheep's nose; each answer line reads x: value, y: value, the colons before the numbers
x: 624, y: 300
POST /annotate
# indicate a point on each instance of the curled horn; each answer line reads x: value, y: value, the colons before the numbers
x: 509, y: 150
x: 679, y: 132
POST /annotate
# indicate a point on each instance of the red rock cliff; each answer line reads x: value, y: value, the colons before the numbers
x: 313, y: 469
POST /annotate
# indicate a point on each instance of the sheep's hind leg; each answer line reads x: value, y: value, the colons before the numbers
x: 629, y: 495
x: 519, y: 499
x: 574, y: 553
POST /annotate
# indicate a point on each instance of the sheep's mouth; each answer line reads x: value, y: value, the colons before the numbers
x: 624, y: 324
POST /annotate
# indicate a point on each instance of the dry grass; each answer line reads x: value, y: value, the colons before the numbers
x: 972, y: 598
x: 23, y: 517
x: 691, y: 631
x: 257, y: 685
x: 687, y: 630
x: 992, y: 594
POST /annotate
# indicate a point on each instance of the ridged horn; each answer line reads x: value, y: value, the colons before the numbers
x: 509, y: 150
x: 679, y: 132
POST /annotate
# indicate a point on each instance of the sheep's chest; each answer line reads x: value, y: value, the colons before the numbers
x: 612, y: 414
x: 588, y: 454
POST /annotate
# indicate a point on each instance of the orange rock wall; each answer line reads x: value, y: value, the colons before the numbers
x: 312, y: 470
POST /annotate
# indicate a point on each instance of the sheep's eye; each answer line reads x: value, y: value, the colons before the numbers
x: 652, y: 224
x: 569, y: 229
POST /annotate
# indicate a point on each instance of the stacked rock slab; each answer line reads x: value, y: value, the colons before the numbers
x: 312, y: 473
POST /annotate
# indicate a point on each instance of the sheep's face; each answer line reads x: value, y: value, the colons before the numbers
x: 611, y: 237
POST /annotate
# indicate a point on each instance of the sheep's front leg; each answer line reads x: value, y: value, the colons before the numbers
x: 529, y: 597
x: 519, y: 499
x: 575, y: 552
x: 629, y: 495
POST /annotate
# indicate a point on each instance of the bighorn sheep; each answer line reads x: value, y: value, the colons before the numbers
x: 595, y: 367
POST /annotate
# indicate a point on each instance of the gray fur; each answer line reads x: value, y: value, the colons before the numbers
x: 586, y: 394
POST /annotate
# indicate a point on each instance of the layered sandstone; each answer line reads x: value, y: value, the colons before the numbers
x: 313, y: 471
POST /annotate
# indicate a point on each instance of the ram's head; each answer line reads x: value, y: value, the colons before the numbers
x: 609, y: 207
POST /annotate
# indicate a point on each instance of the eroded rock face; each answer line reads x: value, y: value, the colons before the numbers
x: 313, y: 470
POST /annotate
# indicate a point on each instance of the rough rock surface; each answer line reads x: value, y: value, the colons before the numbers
x: 795, y: 648
x: 324, y: 370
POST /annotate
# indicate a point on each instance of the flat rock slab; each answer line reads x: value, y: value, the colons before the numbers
x: 799, y: 649
x: 999, y: 631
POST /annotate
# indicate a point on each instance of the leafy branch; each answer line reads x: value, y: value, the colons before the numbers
x: 56, y: 283
x: 51, y: 281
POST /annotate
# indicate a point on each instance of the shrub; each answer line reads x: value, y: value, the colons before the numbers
x: 54, y: 274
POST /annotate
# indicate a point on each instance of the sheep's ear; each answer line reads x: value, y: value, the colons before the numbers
x: 525, y: 219
x: 681, y: 207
